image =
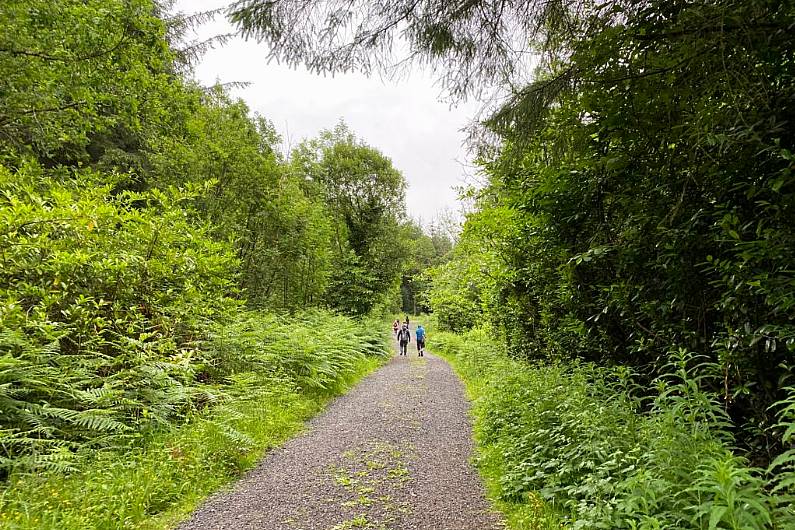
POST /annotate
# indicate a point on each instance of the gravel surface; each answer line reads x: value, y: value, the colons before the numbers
x: 394, y: 453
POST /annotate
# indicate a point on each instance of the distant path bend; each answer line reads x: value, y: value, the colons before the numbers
x: 393, y: 454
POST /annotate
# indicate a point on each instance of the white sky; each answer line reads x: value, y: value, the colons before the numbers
x: 405, y: 120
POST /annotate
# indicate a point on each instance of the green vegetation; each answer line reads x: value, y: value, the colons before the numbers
x: 630, y: 254
x: 580, y: 446
x: 270, y: 373
x: 638, y: 203
x: 624, y: 223
x: 369, y: 475
x: 157, y: 246
x: 102, y: 308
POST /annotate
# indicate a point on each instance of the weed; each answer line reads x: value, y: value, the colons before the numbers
x: 573, y: 445
x: 397, y: 472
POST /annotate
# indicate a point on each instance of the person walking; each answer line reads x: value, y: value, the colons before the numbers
x: 395, y: 326
x: 407, y: 322
x: 403, y: 337
x: 420, y: 340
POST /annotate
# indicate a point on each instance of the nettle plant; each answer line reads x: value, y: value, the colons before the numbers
x: 104, y: 299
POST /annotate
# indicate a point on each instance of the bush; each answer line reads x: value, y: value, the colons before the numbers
x: 103, y: 302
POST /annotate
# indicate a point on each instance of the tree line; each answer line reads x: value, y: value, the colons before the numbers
x: 139, y: 211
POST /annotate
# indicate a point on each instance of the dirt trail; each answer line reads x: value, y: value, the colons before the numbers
x: 394, y: 453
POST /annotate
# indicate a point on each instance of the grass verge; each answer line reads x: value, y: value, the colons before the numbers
x: 530, y: 512
x: 155, y: 480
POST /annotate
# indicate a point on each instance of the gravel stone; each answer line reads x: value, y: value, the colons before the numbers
x: 392, y: 454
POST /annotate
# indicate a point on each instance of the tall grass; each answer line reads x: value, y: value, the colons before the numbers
x: 577, y: 446
x: 261, y: 377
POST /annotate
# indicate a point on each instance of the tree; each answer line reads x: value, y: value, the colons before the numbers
x: 659, y: 187
x: 471, y: 45
x: 365, y: 195
x: 283, y: 234
x: 139, y: 213
x: 465, y: 287
x: 423, y: 251
x: 73, y: 71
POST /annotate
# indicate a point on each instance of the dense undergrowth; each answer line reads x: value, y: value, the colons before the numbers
x: 641, y: 198
x: 263, y: 376
x: 102, y: 307
x: 133, y: 380
x: 575, y: 445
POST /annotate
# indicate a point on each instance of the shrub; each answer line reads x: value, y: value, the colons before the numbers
x: 103, y: 303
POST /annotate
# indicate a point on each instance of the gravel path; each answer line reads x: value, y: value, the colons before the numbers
x: 391, y: 454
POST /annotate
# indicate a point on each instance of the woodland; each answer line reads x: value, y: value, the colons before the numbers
x: 167, y: 271
x: 619, y: 301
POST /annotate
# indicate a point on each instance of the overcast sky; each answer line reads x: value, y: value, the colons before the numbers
x: 405, y: 120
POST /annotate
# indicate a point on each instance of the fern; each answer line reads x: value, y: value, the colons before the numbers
x: 781, y: 471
